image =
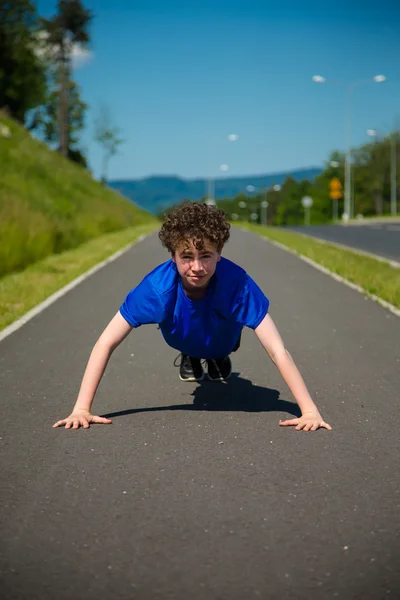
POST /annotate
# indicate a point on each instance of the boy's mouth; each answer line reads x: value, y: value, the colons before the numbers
x: 196, y: 277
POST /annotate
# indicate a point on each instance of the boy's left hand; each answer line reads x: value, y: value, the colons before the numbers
x: 309, y: 421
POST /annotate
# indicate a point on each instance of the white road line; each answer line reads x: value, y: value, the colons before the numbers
x: 353, y: 286
x: 51, y: 299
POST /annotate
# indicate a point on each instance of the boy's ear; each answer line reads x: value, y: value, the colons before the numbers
x: 173, y: 257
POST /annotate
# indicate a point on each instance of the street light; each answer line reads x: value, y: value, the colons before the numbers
x: 348, y: 208
x: 232, y: 137
x: 264, y: 204
x: 307, y: 203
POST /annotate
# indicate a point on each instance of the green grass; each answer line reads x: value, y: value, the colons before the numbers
x: 374, y: 276
x: 49, y: 204
x: 19, y: 292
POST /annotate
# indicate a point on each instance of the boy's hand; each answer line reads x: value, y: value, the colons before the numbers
x: 80, y: 418
x: 309, y: 421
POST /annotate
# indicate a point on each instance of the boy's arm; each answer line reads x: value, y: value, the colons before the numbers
x: 270, y: 339
x: 115, y: 332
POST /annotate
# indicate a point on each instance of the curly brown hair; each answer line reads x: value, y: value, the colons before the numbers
x: 196, y: 222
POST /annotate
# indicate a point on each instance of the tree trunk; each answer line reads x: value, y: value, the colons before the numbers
x: 106, y: 158
x: 63, y: 104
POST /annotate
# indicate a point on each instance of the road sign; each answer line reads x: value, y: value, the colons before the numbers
x: 307, y: 201
x: 336, y: 189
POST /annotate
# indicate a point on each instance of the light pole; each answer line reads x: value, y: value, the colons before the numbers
x: 348, y: 208
x: 307, y: 203
x: 264, y: 204
x: 251, y: 189
x: 232, y: 137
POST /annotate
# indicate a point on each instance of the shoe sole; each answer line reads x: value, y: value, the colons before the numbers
x: 219, y: 378
x: 191, y: 379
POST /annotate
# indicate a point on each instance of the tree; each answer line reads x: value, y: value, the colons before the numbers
x: 68, y: 27
x: 22, y: 74
x: 106, y: 134
x: 45, y: 120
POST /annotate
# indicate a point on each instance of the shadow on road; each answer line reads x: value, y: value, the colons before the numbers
x: 236, y: 394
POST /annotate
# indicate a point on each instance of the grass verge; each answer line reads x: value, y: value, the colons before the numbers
x: 19, y: 292
x: 374, y: 276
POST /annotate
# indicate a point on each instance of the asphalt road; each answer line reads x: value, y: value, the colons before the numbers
x: 382, y: 239
x: 195, y: 491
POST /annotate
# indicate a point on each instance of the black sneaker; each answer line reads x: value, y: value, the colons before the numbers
x: 219, y: 369
x: 190, y: 368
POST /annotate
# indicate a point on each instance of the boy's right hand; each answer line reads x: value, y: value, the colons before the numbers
x: 81, y: 418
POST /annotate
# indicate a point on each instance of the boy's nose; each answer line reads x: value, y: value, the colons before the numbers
x: 197, y: 266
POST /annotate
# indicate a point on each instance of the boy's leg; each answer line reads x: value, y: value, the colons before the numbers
x: 190, y: 368
x: 220, y: 369
x: 237, y: 345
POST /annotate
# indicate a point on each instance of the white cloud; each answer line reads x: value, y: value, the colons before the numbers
x: 80, y: 56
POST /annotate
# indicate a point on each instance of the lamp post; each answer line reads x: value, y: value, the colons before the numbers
x: 251, y: 189
x: 232, y: 137
x: 307, y: 203
x: 264, y: 206
x: 264, y: 203
x: 348, y: 208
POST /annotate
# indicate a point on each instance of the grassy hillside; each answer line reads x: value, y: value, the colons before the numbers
x: 49, y: 204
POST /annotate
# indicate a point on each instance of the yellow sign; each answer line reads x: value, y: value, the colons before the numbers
x: 336, y: 189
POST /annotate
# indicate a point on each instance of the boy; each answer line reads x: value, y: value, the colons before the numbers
x: 201, y: 302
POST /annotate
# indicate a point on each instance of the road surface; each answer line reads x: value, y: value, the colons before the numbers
x: 382, y: 239
x: 195, y: 491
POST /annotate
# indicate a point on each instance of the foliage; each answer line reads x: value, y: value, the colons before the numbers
x: 371, y: 179
x: 22, y: 73
x: 69, y: 26
x: 44, y: 120
x: 49, y: 204
x: 107, y: 135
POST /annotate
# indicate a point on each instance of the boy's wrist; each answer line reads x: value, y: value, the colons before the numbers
x: 81, y: 407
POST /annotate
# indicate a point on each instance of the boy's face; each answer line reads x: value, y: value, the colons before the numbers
x: 196, y: 267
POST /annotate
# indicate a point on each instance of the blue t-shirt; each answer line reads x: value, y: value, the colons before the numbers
x: 205, y: 328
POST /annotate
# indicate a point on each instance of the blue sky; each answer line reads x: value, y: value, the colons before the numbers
x: 179, y: 77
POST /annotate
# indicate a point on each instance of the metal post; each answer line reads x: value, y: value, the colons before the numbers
x: 347, y: 175
x: 334, y: 209
x: 264, y: 208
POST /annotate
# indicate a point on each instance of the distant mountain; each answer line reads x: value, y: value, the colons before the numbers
x: 157, y: 193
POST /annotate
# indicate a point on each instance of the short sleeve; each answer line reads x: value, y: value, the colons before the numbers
x: 142, y: 305
x: 251, y: 304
